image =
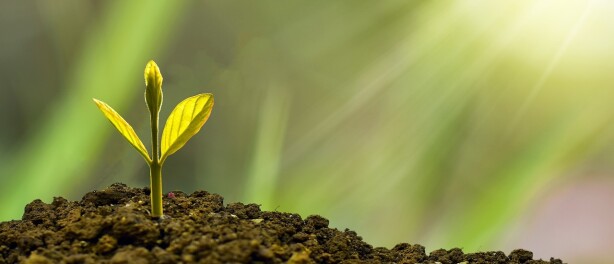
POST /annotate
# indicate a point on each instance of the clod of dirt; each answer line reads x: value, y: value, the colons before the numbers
x: 114, y: 226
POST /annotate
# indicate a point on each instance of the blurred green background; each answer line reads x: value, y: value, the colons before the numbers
x: 485, y: 125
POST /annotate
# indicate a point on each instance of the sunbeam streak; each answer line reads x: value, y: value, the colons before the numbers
x: 535, y: 89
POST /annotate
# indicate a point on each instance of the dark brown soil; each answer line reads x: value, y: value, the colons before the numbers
x: 114, y: 226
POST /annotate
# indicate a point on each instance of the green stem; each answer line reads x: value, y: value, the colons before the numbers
x: 155, y: 177
x: 155, y: 169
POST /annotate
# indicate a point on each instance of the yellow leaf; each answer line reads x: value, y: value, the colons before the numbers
x: 153, y: 87
x: 184, y: 122
x: 124, y: 128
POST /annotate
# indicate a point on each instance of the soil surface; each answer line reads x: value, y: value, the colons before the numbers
x: 114, y: 226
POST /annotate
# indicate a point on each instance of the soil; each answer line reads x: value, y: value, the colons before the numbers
x: 114, y: 226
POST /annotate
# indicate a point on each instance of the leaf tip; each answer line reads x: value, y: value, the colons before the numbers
x: 152, y: 72
x: 98, y: 102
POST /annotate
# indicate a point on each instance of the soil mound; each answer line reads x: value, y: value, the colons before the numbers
x: 114, y: 226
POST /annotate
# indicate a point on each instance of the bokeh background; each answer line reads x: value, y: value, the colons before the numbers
x: 485, y: 125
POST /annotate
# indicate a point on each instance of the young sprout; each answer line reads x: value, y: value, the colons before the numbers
x: 184, y: 122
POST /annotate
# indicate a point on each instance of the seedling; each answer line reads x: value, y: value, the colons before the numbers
x: 184, y: 122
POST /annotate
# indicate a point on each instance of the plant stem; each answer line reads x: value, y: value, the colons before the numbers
x: 155, y: 169
x: 155, y: 178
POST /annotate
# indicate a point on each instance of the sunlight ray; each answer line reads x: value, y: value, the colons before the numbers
x: 534, y: 91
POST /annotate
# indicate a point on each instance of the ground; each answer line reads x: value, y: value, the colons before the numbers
x: 114, y: 226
